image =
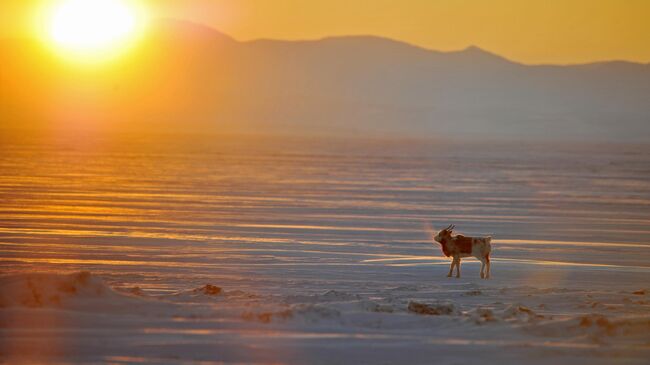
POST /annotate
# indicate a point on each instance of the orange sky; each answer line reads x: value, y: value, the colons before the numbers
x: 530, y: 31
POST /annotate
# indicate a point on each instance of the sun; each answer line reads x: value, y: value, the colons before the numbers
x: 92, y: 27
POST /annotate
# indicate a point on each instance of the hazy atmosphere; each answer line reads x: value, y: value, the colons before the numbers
x: 324, y: 182
x: 531, y: 32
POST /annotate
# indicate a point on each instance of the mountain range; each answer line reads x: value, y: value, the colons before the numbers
x: 191, y: 77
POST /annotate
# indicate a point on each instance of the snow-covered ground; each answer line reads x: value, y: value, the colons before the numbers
x: 319, y: 251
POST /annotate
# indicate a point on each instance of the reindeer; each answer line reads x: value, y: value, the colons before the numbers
x: 460, y: 246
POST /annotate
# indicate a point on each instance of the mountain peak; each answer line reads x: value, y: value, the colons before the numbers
x: 188, y: 30
x: 474, y: 49
x: 473, y: 53
x: 478, y: 51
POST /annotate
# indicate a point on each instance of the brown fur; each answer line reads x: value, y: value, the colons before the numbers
x: 464, y: 244
x: 445, y: 248
x: 461, y: 246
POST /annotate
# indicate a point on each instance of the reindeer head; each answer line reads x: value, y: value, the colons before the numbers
x: 445, y: 234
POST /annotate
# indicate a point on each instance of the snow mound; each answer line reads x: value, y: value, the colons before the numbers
x: 483, y: 315
x: 373, y: 306
x: 315, y: 313
x: 208, y: 289
x: 329, y: 296
x: 435, y: 309
x: 597, y: 327
x: 520, y: 313
x: 56, y: 290
x: 308, y: 313
x: 600, y: 325
x: 209, y: 294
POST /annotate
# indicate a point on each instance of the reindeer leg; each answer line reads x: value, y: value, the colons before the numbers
x: 451, y: 267
x: 482, y: 268
x: 487, y: 260
x: 458, y: 268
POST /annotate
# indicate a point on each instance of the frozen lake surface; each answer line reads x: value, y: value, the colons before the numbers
x: 319, y: 251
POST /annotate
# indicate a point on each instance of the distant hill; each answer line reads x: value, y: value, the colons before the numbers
x: 189, y: 76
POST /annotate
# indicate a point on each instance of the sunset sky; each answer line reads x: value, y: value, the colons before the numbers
x: 535, y: 31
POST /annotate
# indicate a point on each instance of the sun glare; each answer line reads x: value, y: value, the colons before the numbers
x: 92, y: 27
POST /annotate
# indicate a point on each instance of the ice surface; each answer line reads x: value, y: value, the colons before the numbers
x: 295, y: 252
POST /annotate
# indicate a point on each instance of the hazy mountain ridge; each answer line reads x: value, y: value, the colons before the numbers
x: 198, y: 77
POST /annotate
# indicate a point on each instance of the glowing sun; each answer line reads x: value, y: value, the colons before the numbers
x: 92, y: 26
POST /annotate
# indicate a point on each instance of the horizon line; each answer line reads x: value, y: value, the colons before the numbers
x: 387, y: 38
x: 366, y: 35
